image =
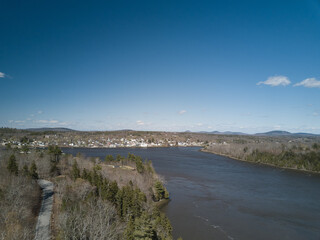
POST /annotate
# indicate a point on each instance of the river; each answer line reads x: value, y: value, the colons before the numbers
x: 215, y: 197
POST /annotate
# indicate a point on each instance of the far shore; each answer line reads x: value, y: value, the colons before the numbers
x: 259, y: 163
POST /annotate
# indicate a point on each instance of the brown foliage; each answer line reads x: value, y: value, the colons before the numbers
x: 19, y: 202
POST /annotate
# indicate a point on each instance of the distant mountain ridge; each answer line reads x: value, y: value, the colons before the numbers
x: 270, y: 133
x: 50, y: 130
x: 225, y: 133
x: 275, y: 133
x: 285, y: 133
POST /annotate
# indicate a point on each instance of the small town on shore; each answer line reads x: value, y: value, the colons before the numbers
x: 101, y: 142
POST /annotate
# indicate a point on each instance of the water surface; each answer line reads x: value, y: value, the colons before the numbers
x: 214, y: 197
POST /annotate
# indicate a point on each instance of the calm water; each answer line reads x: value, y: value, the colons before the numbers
x: 215, y: 197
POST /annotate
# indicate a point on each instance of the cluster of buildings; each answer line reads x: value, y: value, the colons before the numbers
x: 102, y: 142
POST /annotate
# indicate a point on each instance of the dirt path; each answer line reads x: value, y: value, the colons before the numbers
x: 43, y: 224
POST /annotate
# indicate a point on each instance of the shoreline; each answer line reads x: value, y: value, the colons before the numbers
x: 260, y: 163
x: 162, y: 203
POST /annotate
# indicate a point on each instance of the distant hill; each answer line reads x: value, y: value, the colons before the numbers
x: 224, y: 133
x: 50, y: 130
x: 274, y: 133
x: 285, y: 133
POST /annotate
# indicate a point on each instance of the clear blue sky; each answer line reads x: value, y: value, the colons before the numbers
x: 247, y: 66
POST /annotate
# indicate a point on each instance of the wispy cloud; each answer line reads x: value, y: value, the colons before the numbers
x: 40, y: 112
x: 182, y: 112
x: 47, y: 121
x: 309, y: 83
x: 276, y: 81
x: 2, y: 75
x: 140, y: 123
x: 19, y: 121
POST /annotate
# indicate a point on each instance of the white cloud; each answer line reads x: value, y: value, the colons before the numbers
x: 40, y: 112
x: 47, y: 121
x: 19, y: 121
x: 276, y: 81
x: 315, y: 114
x: 309, y: 83
x: 140, y: 123
x: 2, y: 75
x: 182, y: 112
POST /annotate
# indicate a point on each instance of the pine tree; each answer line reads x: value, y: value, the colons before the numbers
x: 128, y: 233
x: 119, y: 202
x: 109, y: 158
x: 139, y: 165
x: 84, y: 174
x: 33, y: 171
x: 112, y: 191
x: 75, y: 173
x: 12, y: 165
x: 25, y: 170
x: 55, y: 151
x: 143, y: 228
x: 54, y: 170
x: 159, y: 194
x: 118, y: 158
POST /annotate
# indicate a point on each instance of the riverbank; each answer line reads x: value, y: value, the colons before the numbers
x: 162, y: 203
x: 262, y: 163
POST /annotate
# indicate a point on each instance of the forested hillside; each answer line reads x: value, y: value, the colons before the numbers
x: 113, y: 199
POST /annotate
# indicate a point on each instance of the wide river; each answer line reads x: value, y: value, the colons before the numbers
x: 214, y: 197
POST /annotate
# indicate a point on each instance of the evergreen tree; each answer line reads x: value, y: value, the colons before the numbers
x: 54, y: 170
x: 128, y: 233
x: 84, y: 174
x: 25, y: 170
x: 75, y: 173
x: 112, y: 191
x: 131, y: 156
x: 143, y: 228
x: 149, y: 167
x: 139, y: 165
x: 55, y: 151
x: 161, y: 224
x: 160, y: 191
x: 33, y: 171
x: 12, y: 165
x: 109, y: 158
x: 119, y: 201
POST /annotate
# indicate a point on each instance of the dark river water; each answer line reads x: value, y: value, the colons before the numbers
x: 214, y: 197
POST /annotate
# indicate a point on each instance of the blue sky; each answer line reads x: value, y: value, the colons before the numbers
x: 247, y: 66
